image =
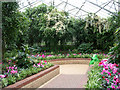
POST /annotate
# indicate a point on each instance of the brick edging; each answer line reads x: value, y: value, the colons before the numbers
x: 69, y: 59
x: 27, y: 80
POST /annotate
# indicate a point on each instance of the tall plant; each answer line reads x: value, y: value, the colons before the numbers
x: 14, y: 26
x: 115, y: 51
x: 98, y: 30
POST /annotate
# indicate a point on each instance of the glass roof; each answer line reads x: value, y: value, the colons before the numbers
x: 77, y: 8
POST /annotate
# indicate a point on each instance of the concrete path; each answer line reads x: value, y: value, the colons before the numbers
x: 71, y: 76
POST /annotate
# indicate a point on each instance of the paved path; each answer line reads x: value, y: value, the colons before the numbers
x: 71, y: 76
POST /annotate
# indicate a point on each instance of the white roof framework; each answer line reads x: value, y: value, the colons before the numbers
x: 77, y: 8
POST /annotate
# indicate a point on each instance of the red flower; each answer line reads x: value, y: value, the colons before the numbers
x: 110, y: 74
x: 100, y: 62
x: 103, y: 77
x: 117, y: 65
x: 105, y: 60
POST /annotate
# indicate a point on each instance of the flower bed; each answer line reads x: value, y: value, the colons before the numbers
x: 36, y: 80
x: 59, y: 56
x: 13, y: 74
x: 104, y: 75
x: 22, y: 66
x: 110, y: 74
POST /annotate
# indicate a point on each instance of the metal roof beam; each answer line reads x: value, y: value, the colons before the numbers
x: 59, y: 4
x: 81, y: 6
x: 65, y: 5
x: 102, y: 8
x: 75, y: 6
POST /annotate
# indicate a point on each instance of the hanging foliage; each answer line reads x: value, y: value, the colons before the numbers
x: 99, y: 24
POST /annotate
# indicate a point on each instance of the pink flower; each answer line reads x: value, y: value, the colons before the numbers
x: 9, y: 67
x: 34, y: 65
x: 109, y: 73
x: 6, y: 67
x: 118, y: 87
x: 12, y: 68
x: 114, y: 77
x: 42, y: 65
x: 15, y: 67
x: 105, y: 60
x: 113, y: 86
x: 114, y: 71
x: 41, y: 61
x: 38, y: 64
x: 106, y: 67
x: 68, y: 54
x: 49, y: 55
x: 43, y: 56
x: 45, y: 61
x: 13, y: 71
x: 8, y: 71
x: 117, y: 80
x: 111, y: 66
x: 2, y: 76
x: 107, y: 80
x: 74, y: 54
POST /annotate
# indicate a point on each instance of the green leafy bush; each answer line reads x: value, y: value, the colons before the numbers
x: 11, y: 79
x: 94, y: 77
x: 115, y: 51
x: 85, y: 48
x: 22, y: 60
x: 4, y: 82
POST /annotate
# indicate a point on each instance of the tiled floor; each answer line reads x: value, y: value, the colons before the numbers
x: 71, y: 76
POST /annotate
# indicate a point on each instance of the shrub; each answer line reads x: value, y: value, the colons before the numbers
x: 94, y: 77
x: 85, y: 48
x: 115, y: 51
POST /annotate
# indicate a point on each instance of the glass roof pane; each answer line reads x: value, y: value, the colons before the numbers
x: 90, y: 7
x: 73, y: 6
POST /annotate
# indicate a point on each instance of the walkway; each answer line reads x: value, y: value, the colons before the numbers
x: 71, y: 76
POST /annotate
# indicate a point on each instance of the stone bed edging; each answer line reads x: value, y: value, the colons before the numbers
x: 38, y: 79
x: 71, y: 61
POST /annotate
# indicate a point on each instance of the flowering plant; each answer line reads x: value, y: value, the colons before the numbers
x: 110, y: 74
x: 41, y: 64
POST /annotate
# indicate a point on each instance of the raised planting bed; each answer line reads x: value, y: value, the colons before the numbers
x: 38, y: 79
x: 70, y: 61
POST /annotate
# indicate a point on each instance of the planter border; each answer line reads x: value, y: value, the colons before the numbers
x: 61, y: 59
x: 32, y: 78
x: 70, y: 61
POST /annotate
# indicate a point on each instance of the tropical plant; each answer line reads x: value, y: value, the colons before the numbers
x: 115, y: 51
x: 14, y: 26
x: 85, y: 48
